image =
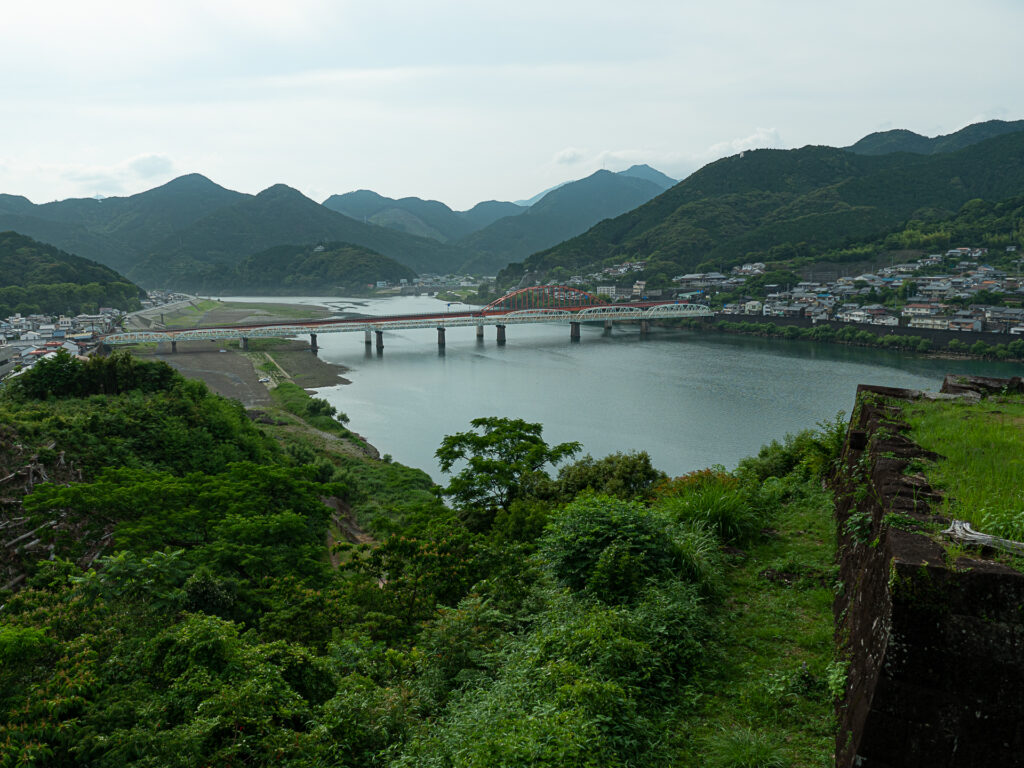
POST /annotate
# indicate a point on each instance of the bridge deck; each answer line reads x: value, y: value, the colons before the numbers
x: 562, y: 315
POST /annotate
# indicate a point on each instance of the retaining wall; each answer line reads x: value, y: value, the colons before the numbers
x: 934, y: 637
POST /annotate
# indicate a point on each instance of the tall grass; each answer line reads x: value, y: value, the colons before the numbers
x: 982, y: 474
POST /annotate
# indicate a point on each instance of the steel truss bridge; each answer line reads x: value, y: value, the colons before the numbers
x: 540, y: 304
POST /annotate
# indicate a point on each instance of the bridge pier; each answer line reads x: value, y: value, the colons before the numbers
x: 607, y: 327
x: 501, y: 334
x: 644, y: 327
x: 574, y: 331
x: 380, y: 340
x: 368, y: 339
x: 440, y: 336
x: 480, y: 332
x: 312, y: 343
x: 174, y: 347
x: 245, y: 344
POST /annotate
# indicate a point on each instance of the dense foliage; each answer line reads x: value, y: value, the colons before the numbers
x: 571, y: 620
x: 38, y: 278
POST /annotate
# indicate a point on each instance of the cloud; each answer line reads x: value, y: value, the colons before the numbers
x: 569, y: 156
x: 56, y: 181
x: 761, y: 138
x: 148, y: 166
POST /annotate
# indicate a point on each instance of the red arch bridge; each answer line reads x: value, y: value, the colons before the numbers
x: 540, y: 304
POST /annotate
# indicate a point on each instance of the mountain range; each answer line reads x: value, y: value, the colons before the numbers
x: 168, y: 235
x: 770, y: 204
x: 758, y: 205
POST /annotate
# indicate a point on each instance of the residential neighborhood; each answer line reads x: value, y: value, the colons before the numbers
x: 24, y: 339
x: 967, y: 296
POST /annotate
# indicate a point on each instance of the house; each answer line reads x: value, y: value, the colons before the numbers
x: 932, y: 323
x: 920, y: 310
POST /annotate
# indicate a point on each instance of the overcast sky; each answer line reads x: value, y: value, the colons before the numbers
x: 471, y: 100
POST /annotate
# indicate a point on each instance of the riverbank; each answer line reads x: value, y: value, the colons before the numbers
x: 246, y: 376
x: 945, y: 345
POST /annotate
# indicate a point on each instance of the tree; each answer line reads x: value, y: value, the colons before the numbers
x: 505, y: 461
x: 626, y: 475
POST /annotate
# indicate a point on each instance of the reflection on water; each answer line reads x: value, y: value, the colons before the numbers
x: 689, y: 399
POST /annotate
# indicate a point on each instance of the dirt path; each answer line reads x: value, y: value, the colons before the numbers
x: 347, y: 527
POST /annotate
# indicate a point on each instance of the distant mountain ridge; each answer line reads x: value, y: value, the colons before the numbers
x: 562, y: 213
x: 426, y: 218
x: 754, y: 206
x: 280, y: 215
x: 168, y: 234
x: 901, y: 140
x: 433, y: 219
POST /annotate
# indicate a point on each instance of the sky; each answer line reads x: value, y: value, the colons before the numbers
x: 470, y: 100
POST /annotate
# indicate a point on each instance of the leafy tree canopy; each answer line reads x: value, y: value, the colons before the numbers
x: 505, y: 460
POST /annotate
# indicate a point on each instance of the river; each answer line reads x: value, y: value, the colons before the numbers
x: 690, y: 399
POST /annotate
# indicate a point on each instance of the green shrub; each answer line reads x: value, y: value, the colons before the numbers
x: 741, y: 747
x: 610, y: 549
x: 724, y: 508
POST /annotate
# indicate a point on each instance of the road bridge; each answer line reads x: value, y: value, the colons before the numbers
x: 539, y: 304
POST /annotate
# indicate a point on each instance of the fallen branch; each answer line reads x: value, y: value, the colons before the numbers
x: 960, y: 531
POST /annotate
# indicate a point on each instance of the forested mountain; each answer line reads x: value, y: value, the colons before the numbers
x: 192, y: 224
x: 560, y: 214
x: 426, y: 218
x: 495, y: 233
x: 770, y: 204
x: 280, y: 215
x: 650, y: 174
x: 117, y: 230
x: 901, y: 140
x: 36, y: 277
x: 192, y: 227
x: 289, y: 270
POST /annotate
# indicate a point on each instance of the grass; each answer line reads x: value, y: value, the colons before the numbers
x: 283, y: 311
x: 766, y: 699
x: 982, y: 474
x: 190, y: 316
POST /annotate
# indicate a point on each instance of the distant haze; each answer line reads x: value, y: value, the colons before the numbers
x: 462, y: 102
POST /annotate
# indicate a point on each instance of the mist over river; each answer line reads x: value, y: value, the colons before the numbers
x: 688, y: 398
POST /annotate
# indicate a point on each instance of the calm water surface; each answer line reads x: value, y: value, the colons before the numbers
x: 689, y: 399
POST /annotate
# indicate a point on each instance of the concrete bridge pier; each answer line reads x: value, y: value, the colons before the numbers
x: 368, y: 339
x: 644, y: 327
x: 245, y: 344
x: 574, y: 331
x: 312, y: 343
x: 607, y: 327
x: 174, y: 347
x: 380, y: 341
x: 501, y: 334
x: 480, y: 333
x: 440, y: 337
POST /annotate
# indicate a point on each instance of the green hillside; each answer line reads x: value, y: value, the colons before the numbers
x: 36, y: 277
x: 773, y: 204
x: 560, y: 214
x: 116, y: 230
x: 276, y: 216
x: 299, y: 269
